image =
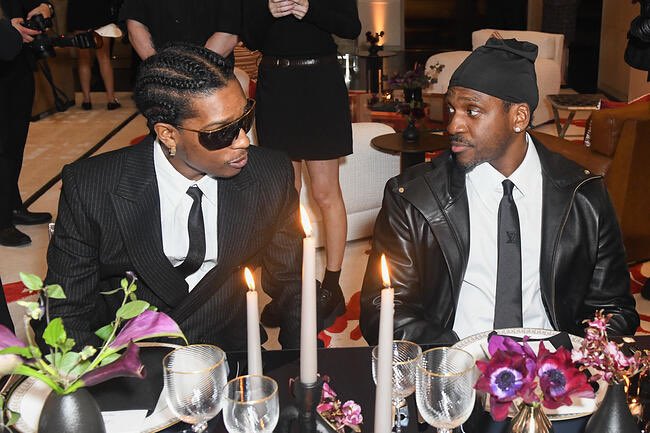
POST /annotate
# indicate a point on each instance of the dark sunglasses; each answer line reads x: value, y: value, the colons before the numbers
x: 223, y: 136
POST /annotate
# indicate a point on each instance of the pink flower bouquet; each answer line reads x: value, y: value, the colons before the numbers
x: 515, y: 373
x: 605, y: 357
x: 338, y: 415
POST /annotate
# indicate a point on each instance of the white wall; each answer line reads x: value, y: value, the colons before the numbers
x: 386, y: 15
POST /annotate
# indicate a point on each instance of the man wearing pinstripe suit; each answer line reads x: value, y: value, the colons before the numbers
x: 127, y: 211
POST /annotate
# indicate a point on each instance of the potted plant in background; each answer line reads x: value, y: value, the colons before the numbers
x: 411, y: 82
x: 70, y: 408
x: 606, y: 358
x: 514, y: 374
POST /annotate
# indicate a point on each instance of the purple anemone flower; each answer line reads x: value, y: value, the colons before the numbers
x: 559, y: 379
x: 505, y: 377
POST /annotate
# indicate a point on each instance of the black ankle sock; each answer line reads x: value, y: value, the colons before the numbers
x: 331, y: 278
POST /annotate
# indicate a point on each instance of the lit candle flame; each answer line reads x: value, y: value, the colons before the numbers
x: 304, y: 217
x: 385, y: 277
x: 250, y: 281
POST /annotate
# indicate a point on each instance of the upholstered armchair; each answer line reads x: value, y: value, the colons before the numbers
x: 363, y: 176
x: 620, y: 150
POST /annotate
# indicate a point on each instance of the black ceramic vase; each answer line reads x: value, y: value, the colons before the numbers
x: 613, y: 415
x: 411, y: 132
x: 71, y: 413
x: 408, y: 94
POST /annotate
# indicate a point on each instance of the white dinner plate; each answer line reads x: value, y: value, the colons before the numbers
x: 477, y: 346
x: 29, y: 397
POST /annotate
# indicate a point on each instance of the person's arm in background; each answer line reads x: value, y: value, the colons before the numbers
x: 222, y: 43
x: 11, y: 40
x: 140, y: 39
x: 227, y: 27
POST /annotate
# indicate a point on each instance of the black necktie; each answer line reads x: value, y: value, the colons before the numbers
x: 507, y: 309
x: 196, y: 231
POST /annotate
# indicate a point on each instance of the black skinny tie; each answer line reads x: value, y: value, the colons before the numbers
x: 196, y: 231
x: 507, y: 309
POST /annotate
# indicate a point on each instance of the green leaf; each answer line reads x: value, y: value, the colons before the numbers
x: 124, y: 284
x: 13, y: 418
x: 132, y: 309
x: 36, y: 352
x: 111, y: 292
x: 69, y: 361
x: 55, y: 291
x: 110, y: 358
x: 26, y: 370
x: 152, y: 308
x: 32, y: 282
x: 54, y: 335
x: 67, y: 345
x: 54, y: 358
x: 25, y: 352
x: 87, y: 352
x: 133, y: 297
x: 80, y: 369
x: 33, y: 309
x: 104, y: 332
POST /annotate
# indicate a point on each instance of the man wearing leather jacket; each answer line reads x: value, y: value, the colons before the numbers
x: 439, y: 222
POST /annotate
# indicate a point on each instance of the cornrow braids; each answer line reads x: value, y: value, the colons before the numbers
x: 167, y: 81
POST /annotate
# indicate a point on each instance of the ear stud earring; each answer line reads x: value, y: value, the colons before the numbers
x: 517, y: 129
x: 172, y: 151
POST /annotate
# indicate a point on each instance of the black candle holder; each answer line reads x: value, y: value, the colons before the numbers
x: 303, y: 410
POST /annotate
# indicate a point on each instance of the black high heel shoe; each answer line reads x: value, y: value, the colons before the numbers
x: 87, y: 105
x: 114, y: 105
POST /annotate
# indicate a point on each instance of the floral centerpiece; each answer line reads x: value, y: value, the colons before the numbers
x: 66, y: 370
x: 373, y: 42
x: 606, y: 358
x: 607, y: 361
x: 515, y: 374
x: 412, y: 79
x: 338, y: 415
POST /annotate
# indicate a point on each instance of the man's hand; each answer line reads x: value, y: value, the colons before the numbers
x: 281, y: 8
x: 300, y: 8
x: 43, y: 9
x: 25, y: 33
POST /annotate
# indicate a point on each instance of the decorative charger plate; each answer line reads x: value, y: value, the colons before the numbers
x: 477, y: 346
x: 29, y: 396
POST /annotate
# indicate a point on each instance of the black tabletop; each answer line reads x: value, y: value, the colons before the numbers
x: 350, y: 375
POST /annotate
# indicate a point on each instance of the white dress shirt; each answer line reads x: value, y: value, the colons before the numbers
x: 175, y: 207
x: 475, y: 311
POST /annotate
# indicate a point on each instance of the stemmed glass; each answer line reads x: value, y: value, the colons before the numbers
x: 405, y: 360
x: 445, y: 387
x: 251, y: 405
x: 194, y: 378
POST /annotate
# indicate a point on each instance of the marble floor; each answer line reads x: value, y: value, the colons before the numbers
x: 63, y: 137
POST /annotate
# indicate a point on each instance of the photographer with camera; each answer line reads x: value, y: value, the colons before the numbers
x: 16, y: 98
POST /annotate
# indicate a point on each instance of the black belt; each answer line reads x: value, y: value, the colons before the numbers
x: 279, y: 62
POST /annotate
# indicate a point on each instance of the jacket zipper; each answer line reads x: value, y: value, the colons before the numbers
x: 557, y: 241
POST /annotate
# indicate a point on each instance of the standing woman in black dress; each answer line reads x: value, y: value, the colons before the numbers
x: 303, y: 108
x: 84, y: 15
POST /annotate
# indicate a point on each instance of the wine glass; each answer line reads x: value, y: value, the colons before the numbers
x: 194, y: 379
x: 445, y: 387
x: 405, y: 360
x: 251, y: 405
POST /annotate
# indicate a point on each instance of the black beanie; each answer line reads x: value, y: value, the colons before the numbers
x: 503, y: 68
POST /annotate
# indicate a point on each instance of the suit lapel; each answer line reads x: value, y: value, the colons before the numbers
x: 237, y: 201
x: 448, y: 216
x: 137, y: 209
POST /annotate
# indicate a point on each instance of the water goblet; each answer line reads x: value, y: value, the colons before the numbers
x: 194, y: 378
x: 445, y: 387
x: 251, y: 405
x: 405, y: 360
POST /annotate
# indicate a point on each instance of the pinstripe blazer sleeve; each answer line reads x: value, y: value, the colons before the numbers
x: 73, y: 262
x: 282, y: 262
